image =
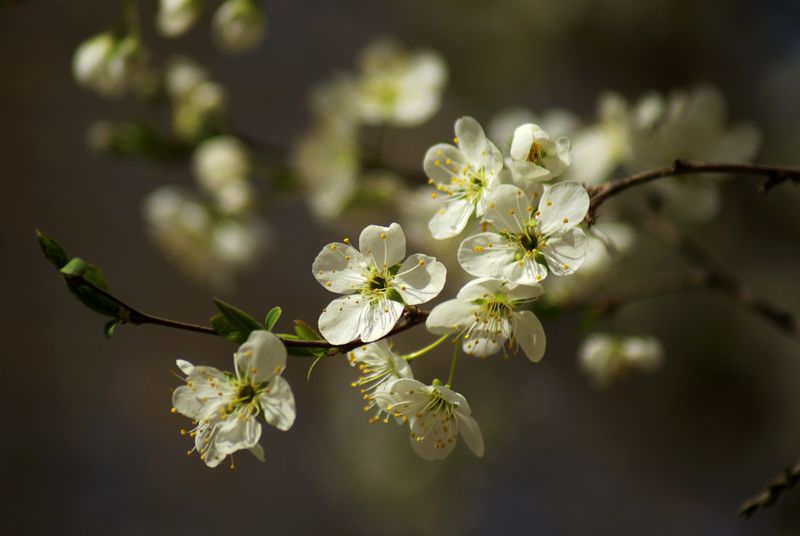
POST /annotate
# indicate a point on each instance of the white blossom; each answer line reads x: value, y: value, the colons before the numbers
x: 556, y: 121
x: 485, y: 314
x: 376, y: 282
x: 606, y: 357
x: 107, y: 63
x: 535, y: 157
x: 182, y: 75
x: 436, y: 416
x: 238, y: 25
x: 464, y: 175
x: 529, y: 240
x: 396, y: 87
x: 225, y: 406
x: 197, y: 112
x: 221, y: 166
x: 174, y: 17
x: 380, y: 366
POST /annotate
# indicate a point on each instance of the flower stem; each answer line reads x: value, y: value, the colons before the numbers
x: 423, y: 351
x: 453, y: 363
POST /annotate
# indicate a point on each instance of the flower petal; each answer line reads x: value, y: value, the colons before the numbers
x: 483, y: 342
x: 236, y: 433
x: 420, y: 279
x: 563, y: 206
x: 184, y: 366
x: 526, y: 271
x: 386, y: 245
x: 261, y: 357
x: 379, y: 319
x: 471, y: 139
x: 340, y: 321
x: 186, y: 403
x: 258, y: 451
x: 340, y: 268
x: 486, y: 254
x: 433, y: 439
x: 277, y: 403
x: 451, y: 316
x: 451, y: 219
x: 442, y: 162
x: 508, y: 209
x: 529, y: 333
x: 565, y: 252
x: 471, y: 432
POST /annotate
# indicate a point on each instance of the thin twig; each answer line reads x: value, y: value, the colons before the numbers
x: 775, y: 175
x: 780, y: 485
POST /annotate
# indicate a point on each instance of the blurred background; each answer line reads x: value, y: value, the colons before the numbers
x: 90, y: 445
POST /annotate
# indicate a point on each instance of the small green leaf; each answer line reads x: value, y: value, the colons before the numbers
x: 52, y: 250
x: 311, y: 367
x: 111, y: 327
x: 232, y: 323
x: 306, y: 332
x: 84, y: 280
x: 272, y: 317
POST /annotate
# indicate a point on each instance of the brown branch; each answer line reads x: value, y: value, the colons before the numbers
x: 780, y: 485
x: 775, y: 175
x: 718, y: 278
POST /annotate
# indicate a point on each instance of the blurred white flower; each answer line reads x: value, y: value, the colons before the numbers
x: 436, y: 416
x: 380, y: 366
x: 238, y: 25
x: 182, y: 75
x: 687, y: 125
x: 221, y: 166
x: 174, y: 17
x: 556, y: 121
x: 377, y: 284
x: 606, y: 357
x: 485, y: 315
x: 535, y: 157
x: 336, y: 103
x: 202, y: 244
x: 397, y: 87
x: 528, y: 240
x: 464, y: 174
x: 107, y: 63
x: 197, y: 112
x: 327, y: 160
x: 225, y: 405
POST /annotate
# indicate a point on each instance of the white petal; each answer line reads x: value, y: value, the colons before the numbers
x: 236, y: 433
x: 277, y: 404
x: 420, y: 279
x: 563, y: 206
x: 483, y: 343
x: 185, y: 366
x: 432, y: 439
x: 186, y: 402
x: 518, y: 293
x: 261, y: 357
x: 386, y: 245
x: 527, y: 271
x: 340, y: 268
x: 451, y: 316
x: 482, y: 287
x: 471, y: 432
x: 258, y: 451
x: 379, y: 319
x: 471, y: 138
x: 565, y: 252
x: 451, y: 219
x: 485, y: 254
x: 340, y: 322
x: 529, y: 333
x: 508, y: 209
x: 443, y: 162
x: 203, y: 443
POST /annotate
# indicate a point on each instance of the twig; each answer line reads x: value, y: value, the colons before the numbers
x: 780, y: 485
x: 775, y: 175
x: 130, y: 315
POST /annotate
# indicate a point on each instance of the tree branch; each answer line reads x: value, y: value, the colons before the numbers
x: 775, y: 175
x: 780, y: 485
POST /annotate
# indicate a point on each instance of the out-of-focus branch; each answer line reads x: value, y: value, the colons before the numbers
x: 780, y: 485
x: 718, y: 278
x: 775, y: 175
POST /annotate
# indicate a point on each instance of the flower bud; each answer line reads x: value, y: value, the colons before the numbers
x: 176, y: 16
x: 238, y: 25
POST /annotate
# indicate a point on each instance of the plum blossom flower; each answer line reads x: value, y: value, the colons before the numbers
x: 376, y: 282
x: 397, y: 87
x: 380, y: 366
x: 464, y: 175
x: 176, y: 16
x: 225, y: 406
x: 535, y: 157
x: 238, y: 25
x: 436, y: 416
x: 606, y: 357
x: 528, y: 241
x: 485, y: 314
x: 107, y: 63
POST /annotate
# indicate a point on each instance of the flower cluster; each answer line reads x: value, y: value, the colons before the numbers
x: 606, y: 357
x: 236, y: 25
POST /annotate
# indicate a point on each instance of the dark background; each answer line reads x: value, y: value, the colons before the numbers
x: 89, y: 445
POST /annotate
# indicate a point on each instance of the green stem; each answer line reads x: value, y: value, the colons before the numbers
x: 423, y: 351
x: 453, y: 363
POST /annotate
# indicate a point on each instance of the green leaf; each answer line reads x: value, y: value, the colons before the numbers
x: 306, y: 332
x: 311, y: 367
x: 111, y: 327
x: 272, y: 317
x: 52, y: 250
x: 84, y: 280
x: 232, y: 323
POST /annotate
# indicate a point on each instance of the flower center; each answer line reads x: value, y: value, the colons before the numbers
x: 246, y: 394
x: 378, y: 282
x: 529, y: 241
x: 536, y: 154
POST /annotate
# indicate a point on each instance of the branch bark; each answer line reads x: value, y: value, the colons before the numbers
x: 779, y: 485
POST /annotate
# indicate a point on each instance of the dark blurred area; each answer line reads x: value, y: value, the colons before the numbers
x: 89, y: 441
